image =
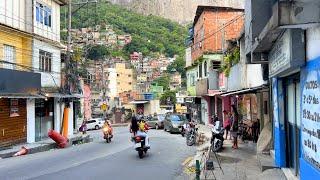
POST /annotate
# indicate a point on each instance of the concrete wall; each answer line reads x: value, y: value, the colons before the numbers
x: 52, y: 79
x: 112, y: 84
x: 188, y: 57
x: 313, y: 42
x: 16, y: 14
x: 22, y: 45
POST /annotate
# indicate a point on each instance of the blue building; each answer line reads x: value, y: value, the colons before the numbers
x: 285, y: 36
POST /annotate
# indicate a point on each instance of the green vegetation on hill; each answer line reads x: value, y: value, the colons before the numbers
x: 151, y: 35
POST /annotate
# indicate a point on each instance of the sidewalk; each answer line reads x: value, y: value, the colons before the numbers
x: 44, y: 145
x: 239, y: 164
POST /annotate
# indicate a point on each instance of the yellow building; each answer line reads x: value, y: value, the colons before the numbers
x: 125, y: 78
x: 15, y: 48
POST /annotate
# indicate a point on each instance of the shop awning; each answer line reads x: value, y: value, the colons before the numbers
x: 20, y: 96
x: 139, y: 102
x: 60, y: 95
x: 242, y: 91
x: 214, y: 93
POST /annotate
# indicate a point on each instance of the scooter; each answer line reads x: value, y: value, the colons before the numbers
x: 217, y: 139
x: 140, y: 146
x: 107, y: 133
x: 191, y: 134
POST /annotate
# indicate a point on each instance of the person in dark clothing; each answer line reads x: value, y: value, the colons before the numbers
x: 234, y: 127
x: 134, y: 125
x: 256, y: 130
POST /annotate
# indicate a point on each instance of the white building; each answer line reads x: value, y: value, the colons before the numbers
x: 46, y: 114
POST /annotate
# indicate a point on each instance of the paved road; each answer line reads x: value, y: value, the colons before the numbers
x: 98, y: 160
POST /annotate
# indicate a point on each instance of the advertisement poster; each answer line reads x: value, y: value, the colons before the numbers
x: 310, y: 116
x: 14, y: 107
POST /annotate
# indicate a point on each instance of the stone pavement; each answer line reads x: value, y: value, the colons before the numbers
x: 239, y: 164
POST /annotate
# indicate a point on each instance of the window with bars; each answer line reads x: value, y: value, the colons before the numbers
x: 43, y: 14
x: 9, y: 55
x: 45, y: 61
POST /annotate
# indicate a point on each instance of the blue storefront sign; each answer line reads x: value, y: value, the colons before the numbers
x: 310, y: 120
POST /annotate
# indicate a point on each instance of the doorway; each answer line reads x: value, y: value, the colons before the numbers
x: 44, y: 116
x: 292, y: 122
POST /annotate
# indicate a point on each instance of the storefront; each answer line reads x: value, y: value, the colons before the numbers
x: 13, y: 124
x: 44, y: 118
x: 285, y: 60
x: 16, y: 89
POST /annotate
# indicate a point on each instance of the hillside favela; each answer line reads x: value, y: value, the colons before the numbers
x: 159, y: 89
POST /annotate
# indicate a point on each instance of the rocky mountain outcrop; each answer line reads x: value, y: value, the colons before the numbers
x: 181, y: 11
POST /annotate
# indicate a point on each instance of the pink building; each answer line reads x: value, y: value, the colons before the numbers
x: 87, y: 102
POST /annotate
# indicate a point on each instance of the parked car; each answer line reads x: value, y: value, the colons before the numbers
x: 95, y: 123
x: 173, y: 123
x: 156, y: 122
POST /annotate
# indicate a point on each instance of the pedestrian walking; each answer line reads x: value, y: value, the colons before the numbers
x: 234, y: 127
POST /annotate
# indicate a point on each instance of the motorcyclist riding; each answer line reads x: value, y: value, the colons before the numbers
x: 142, y: 131
x: 107, y: 124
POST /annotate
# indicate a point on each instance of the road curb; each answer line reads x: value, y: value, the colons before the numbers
x: 48, y: 146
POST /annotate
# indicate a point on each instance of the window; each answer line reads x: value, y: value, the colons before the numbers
x: 45, y: 61
x: 192, y: 79
x: 118, y: 75
x: 200, y: 70
x: 43, y: 14
x: 129, y: 75
x: 9, y: 55
x: 205, y: 69
x: 130, y: 83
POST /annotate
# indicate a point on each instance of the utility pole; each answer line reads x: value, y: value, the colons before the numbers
x: 68, y: 65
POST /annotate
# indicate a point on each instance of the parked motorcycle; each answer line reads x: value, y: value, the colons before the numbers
x: 107, y: 133
x: 140, y: 146
x: 191, y: 134
x: 217, y: 139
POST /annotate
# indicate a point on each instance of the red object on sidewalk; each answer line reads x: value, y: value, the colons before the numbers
x: 58, y: 138
x: 22, y: 151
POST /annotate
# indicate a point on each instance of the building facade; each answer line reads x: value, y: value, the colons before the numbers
x: 288, y: 47
x: 212, y: 27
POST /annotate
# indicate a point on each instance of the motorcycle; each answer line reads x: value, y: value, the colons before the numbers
x: 217, y: 139
x: 191, y: 134
x: 140, y: 146
x: 107, y: 133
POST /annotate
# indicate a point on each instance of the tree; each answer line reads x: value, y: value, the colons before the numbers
x: 98, y: 52
x: 168, y: 98
x: 178, y: 65
x: 163, y: 81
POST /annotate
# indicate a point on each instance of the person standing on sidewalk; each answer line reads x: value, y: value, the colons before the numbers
x: 227, y: 123
x: 234, y: 127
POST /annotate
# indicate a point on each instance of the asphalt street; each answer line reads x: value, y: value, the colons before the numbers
x: 99, y: 160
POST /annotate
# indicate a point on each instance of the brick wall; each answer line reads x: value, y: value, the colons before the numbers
x: 208, y: 31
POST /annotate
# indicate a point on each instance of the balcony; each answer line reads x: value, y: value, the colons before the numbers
x: 19, y: 82
x: 202, y: 87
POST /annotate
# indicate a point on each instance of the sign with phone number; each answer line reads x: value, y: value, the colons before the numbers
x: 310, y: 114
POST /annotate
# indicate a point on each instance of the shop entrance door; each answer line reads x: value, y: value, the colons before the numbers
x: 293, y: 124
x: 44, y: 118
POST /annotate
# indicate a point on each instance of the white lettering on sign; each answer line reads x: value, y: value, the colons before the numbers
x: 310, y: 117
